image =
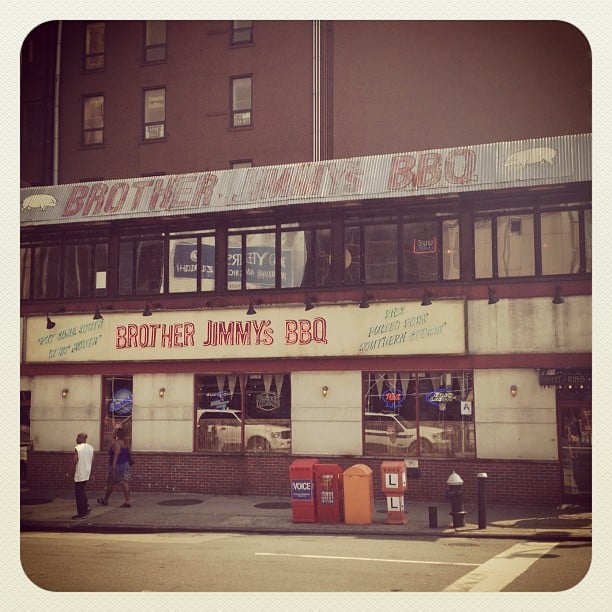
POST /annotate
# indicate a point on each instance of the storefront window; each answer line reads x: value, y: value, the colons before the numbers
x: 428, y: 414
x: 116, y: 408
x: 236, y: 413
x: 575, y: 419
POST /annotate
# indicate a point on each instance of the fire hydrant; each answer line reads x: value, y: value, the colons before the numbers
x: 455, y: 496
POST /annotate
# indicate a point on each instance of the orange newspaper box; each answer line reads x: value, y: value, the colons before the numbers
x: 358, y: 495
x: 394, y: 484
x: 328, y: 492
x: 303, y: 506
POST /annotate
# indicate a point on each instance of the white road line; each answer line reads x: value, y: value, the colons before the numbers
x: 370, y: 559
x: 501, y: 570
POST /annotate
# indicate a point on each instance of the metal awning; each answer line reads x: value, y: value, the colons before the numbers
x: 501, y: 165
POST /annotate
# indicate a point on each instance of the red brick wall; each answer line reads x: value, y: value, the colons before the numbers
x: 508, y: 482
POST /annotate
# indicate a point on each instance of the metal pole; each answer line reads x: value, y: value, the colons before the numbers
x: 482, y: 500
x: 433, y: 516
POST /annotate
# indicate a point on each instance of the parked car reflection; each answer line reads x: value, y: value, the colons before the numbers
x: 391, y: 434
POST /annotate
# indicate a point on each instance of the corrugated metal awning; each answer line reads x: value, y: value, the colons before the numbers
x: 501, y: 165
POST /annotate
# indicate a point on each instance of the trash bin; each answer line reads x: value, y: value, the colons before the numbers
x: 358, y: 495
x: 394, y: 485
x: 301, y: 474
x: 328, y: 492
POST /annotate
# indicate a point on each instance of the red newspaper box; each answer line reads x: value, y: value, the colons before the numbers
x: 328, y: 492
x: 301, y: 474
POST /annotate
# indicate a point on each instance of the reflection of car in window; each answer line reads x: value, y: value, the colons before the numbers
x: 220, y: 430
x: 389, y: 431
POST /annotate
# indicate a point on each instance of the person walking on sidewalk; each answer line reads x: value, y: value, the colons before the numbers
x: 119, y: 459
x: 82, y: 465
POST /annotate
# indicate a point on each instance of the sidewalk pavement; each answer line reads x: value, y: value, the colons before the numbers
x: 44, y: 510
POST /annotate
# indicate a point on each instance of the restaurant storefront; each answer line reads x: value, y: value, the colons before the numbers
x: 405, y: 306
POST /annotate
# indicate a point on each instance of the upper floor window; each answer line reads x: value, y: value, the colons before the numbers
x: 190, y: 252
x: 93, y: 120
x: 94, y: 45
x: 33, y: 126
x: 155, y: 41
x: 284, y: 256
x: 242, y: 32
x: 141, y: 265
x: 566, y: 241
x: 241, y: 101
x: 154, y: 113
x: 242, y: 163
x: 75, y: 268
x: 391, y: 250
x: 533, y: 242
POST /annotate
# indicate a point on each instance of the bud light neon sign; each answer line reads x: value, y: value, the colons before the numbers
x: 121, y: 403
x: 440, y: 396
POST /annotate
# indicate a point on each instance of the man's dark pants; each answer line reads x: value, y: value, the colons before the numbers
x: 81, y: 497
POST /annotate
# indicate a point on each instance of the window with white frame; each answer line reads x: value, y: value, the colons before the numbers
x: 155, y: 113
x: 241, y: 92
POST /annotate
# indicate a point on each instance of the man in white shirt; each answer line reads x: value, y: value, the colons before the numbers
x: 82, y: 464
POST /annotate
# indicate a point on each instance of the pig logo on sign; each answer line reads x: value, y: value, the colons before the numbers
x: 537, y: 155
x: 41, y: 201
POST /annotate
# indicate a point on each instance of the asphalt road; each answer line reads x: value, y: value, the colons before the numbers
x: 231, y: 562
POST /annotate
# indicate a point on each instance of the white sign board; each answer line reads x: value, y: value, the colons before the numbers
x: 404, y: 328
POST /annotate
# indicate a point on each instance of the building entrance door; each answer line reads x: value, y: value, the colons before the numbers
x: 575, y: 423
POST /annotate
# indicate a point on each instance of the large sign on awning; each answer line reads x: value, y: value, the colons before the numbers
x: 394, y: 328
x: 524, y: 163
